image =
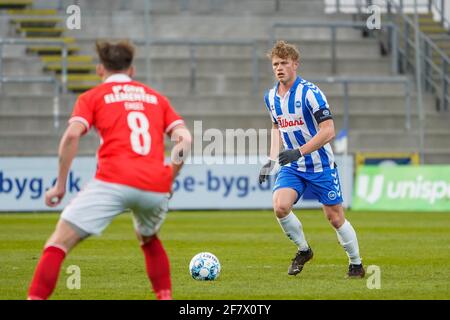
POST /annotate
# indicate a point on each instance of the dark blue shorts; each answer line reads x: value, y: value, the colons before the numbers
x: 324, y: 185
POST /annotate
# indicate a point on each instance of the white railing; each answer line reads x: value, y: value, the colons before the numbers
x: 37, y: 79
x: 17, y: 42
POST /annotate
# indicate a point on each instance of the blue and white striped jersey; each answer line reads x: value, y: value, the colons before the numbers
x: 298, y: 115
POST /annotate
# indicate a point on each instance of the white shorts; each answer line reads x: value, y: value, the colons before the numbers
x: 96, y: 205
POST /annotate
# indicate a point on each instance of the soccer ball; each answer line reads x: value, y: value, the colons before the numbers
x: 204, y: 266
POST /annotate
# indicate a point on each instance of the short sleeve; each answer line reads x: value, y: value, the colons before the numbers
x: 318, y: 104
x: 83, y: 112
x: 316, y: 99
x: 171, y: 117
x: 267, y: 103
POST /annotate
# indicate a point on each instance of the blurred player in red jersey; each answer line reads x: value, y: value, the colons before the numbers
x: 131, y: 120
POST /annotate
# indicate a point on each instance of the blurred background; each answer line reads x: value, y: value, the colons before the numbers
x: 383, y: 65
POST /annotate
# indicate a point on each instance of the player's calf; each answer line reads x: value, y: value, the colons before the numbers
x: 158, y: 268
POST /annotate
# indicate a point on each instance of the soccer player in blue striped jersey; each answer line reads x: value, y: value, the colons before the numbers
x: 302, y: 119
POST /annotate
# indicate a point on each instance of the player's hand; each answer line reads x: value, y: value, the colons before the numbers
x: 54, y: 196
x: 266, y: 170
x: 288, y: 156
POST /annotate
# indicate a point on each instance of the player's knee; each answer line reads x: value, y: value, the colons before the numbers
x: 335, y: 215
x: 64, y: 237
x: 281, y: 209
x: 66, y: 244
x: 146, y: 239
x: 335, y: 221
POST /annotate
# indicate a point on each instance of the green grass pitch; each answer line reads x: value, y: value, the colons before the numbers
x: 412, y: 251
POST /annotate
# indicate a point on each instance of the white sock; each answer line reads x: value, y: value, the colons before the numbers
x: 293, y: 229
x: 347, y: 238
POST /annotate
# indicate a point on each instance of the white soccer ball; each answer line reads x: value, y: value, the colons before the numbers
x: 204, y: 266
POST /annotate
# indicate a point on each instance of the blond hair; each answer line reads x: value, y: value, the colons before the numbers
x: 284, y: 50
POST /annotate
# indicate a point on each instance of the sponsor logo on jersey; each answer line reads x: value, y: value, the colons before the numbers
x: 283, y: 123
x: 129, y: 93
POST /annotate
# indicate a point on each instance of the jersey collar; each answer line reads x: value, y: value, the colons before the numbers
x: 118, y: 77
x: 293, y: 88
x: 295, y: 85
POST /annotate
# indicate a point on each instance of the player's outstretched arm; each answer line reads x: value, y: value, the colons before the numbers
x: 68, y: 149
x: 181, y: 150
x: 326, y: 134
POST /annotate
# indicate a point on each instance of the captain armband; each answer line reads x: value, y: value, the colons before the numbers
x: 323, y: 114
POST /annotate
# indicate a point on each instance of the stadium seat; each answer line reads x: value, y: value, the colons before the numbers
x: 15, y: 4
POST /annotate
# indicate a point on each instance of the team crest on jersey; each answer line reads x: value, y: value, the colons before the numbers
x: 298, y: 104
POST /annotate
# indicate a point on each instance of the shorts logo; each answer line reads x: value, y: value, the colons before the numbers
x: 332, y: 195
x: 326, y: 113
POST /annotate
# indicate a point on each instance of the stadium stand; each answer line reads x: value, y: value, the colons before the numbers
x: 208, y: 57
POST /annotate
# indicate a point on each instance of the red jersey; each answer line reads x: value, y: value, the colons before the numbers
x: 131, y: 120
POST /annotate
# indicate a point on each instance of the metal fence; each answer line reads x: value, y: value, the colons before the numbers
x: 177, y: 5
x: 441, y: 7
x: 193, y: 46
x: 358, y: 6
x: 391, y: 28
x: 434, y: 62
x: 27, y: 42
x: 38, y: 79
x: 346, y: 82
x: 392, y: 38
